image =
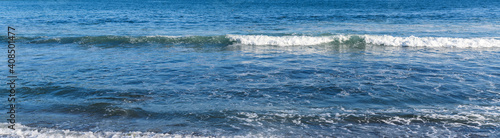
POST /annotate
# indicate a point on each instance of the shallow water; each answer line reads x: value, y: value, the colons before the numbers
x: 244, y: 68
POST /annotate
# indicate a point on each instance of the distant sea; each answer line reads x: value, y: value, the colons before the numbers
x: 249, y: 68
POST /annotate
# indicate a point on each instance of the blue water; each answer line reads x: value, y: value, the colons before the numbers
x: 365, y: 68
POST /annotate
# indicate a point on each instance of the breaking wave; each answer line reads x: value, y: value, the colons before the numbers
x: 293, y: 40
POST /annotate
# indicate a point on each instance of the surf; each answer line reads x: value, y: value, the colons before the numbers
x: 270, y: 40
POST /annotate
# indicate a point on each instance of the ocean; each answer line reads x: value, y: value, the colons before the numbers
x: 250, y: 68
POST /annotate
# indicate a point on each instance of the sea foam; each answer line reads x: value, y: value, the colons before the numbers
x: 386, y: 40
x: 431, y: 41
x: 293, y: 40
x: 30, y: 132
x: 285, y: 40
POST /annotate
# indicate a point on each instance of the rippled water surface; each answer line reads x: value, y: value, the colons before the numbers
x: 247, y: 68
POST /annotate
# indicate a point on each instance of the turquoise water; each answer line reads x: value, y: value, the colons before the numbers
x: 364, y: 68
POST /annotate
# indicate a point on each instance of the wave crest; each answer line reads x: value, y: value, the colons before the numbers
x: 431, y: 41
x: 285, y: 40
x: 386, y: 40
x: 294, y: 40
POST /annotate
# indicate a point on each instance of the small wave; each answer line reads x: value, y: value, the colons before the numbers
x: 367, y: 39
x: 294, y: 40
x: 123, y: 40
x: 286, y: 40
x: 431, y: 41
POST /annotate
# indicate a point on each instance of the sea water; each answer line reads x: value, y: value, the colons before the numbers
x: 341, y: 68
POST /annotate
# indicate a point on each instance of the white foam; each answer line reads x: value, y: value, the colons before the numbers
x: 431, y: 41
x: 29, y: 132
x: 369, y: 39
x: 285, y: 40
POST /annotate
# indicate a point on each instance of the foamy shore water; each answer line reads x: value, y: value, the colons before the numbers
x: 24, y: 131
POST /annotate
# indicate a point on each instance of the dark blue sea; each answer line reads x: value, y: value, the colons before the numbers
x: 251, y: 68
